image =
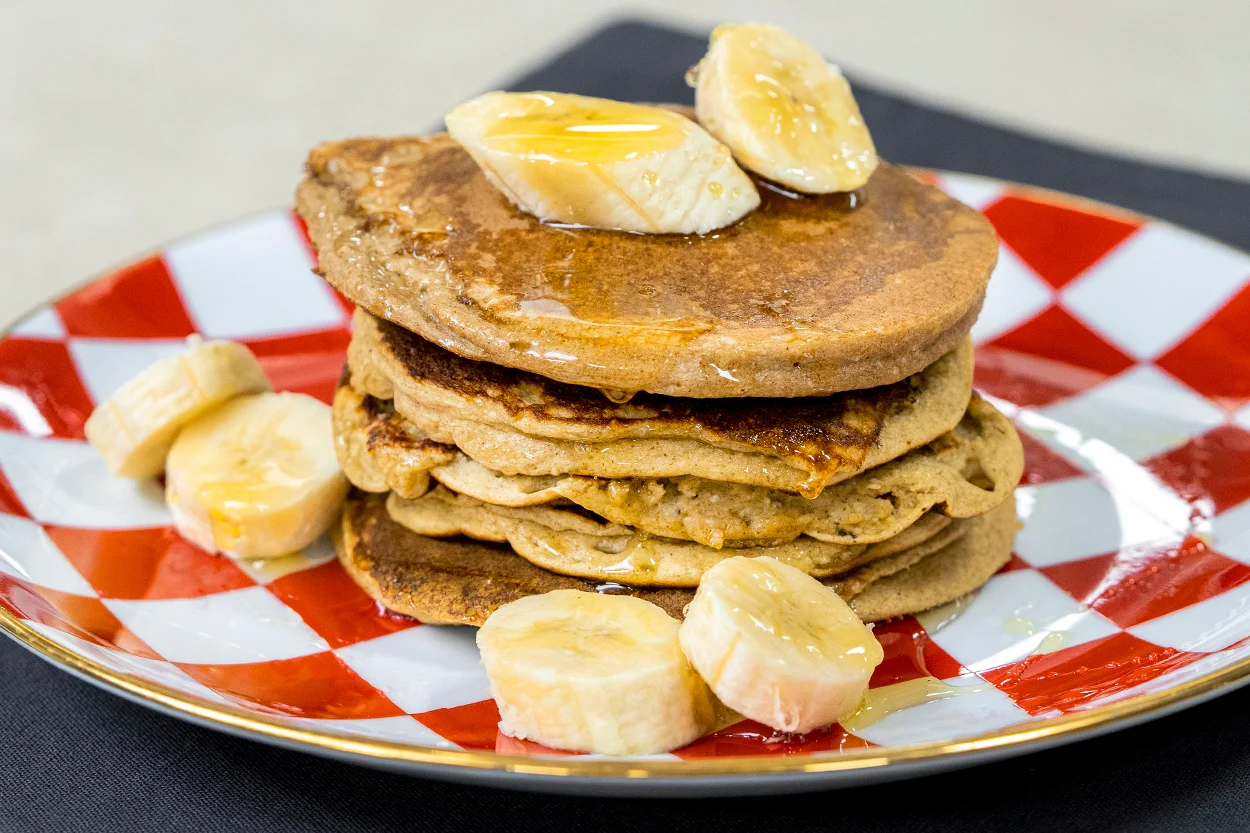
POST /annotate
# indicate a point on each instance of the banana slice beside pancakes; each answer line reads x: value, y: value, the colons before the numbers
x: 617, y: 675
x: 257, y: 477
x: 593, y: 673
x: 249, y: 472
x: 777, y: 646
x: 135, y: 427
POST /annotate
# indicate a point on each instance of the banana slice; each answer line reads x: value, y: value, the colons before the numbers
x: 777, y: 646
x: 134, y: 428
x: 786, y: 114
x: 593, y: 673
x: 606, y: 164
x: 257, y: 477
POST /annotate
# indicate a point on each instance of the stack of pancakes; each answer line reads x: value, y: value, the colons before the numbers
x: 529, y: 407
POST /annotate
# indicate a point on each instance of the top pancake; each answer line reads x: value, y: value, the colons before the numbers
x: 805, y: 296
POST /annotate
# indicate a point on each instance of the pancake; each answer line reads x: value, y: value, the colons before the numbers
x: 453, y: 581
x: 805, y: 296
x: 948, y: 574
x: 469, y: 477
x: 476, y: 403
x: 379, y: 451
x: 572, y: 543
x: 461, y: 581
x: 963, y: 473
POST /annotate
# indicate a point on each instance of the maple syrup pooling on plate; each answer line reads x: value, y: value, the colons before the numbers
x: 883, y: 701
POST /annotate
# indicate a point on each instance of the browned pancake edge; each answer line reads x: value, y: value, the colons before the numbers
x: 804, y: 296
x: 460, y: 581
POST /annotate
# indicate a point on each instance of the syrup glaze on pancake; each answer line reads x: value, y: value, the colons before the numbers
x: 568, y: 541
x: 804, y: 296
x: 820, y: 434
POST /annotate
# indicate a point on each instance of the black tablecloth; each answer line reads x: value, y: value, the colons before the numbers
x: 73, y: 758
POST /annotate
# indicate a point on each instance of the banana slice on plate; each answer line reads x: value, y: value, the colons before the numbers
x: 134, y: 428
x: 777, y: 646
x: 787, y: 114
x: 600, y: 163
x: 257, y: 477
x: 593, y: 673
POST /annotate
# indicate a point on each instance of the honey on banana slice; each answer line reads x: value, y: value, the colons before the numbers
x: 134, y: 428
x: 604, y: 164
x: 256, y: 477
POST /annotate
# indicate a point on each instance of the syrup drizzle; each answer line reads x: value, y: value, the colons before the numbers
x: 881, y: 702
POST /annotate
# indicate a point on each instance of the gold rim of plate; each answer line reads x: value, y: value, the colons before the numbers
x: 1055, y: 729
x: 1068, y: 726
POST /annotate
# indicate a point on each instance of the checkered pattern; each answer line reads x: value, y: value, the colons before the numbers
x: 1121, y: 348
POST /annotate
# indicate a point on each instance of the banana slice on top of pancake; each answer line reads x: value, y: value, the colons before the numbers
x: 786, y: 113
x: 605, y: 164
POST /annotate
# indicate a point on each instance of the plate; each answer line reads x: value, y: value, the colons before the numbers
x: 1116, y: 343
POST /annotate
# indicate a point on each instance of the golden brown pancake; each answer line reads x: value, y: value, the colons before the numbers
x: 572, y: 542
x: 805, y: 296
x: 945, y: 576
x: 521, y: 423
x: 379, y: 451
x: 454, y: 581
x: 963, y: 473
x: 460, y: 581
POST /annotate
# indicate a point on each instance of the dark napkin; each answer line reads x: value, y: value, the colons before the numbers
x: 73, y: 758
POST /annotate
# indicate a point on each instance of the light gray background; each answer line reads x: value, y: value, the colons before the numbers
x: 126, y: 123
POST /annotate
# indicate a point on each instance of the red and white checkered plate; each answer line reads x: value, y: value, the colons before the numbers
x: 1120, y: 346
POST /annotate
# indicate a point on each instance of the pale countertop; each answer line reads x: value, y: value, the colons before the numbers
x: 123, y: 125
